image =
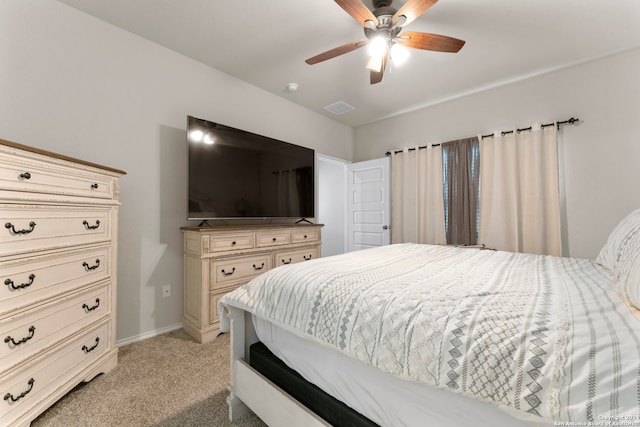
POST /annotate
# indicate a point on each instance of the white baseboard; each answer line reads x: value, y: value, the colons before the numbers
x: 149, y: 334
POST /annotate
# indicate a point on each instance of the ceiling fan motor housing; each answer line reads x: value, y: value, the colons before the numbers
x: 381, y: 3
x: 384, y: 14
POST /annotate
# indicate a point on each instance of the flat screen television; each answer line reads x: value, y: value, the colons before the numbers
x: 235, y: 174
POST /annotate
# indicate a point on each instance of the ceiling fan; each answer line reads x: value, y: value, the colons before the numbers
x: 382, y: 28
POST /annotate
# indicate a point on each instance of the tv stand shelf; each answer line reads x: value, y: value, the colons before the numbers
x: 218, y: 259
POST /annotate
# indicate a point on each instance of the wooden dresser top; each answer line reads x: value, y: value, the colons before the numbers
x: 58, y: 156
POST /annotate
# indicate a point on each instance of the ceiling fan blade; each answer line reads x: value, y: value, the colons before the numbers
x: 340, y: 50
x: 411, y: 10
x: 376, y: 76
x: 359, y: 12
x: 428, y: 41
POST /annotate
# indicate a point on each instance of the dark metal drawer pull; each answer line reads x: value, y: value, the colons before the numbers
x: 229, y: 273
x: 91, y: 267
x: 21, y: 395
x: 274, y: 239
x: 86, y: 307
x: 90, y: 349
x: 32, y: 331
x: 286, y: 262
x: 94, y: 186
x: 25, y: 175
x: 10, y: 283
x: 258, y: 268
x: 305, y: 257
x: 91, y: 227
x: 32, y: 225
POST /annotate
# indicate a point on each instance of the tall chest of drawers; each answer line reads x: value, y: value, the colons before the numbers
x: 219, y: 259
x: 58, y: 243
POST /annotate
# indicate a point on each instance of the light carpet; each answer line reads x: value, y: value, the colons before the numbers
x: 164, y: 381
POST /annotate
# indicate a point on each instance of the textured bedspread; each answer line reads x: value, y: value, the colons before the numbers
x: 547, y: 336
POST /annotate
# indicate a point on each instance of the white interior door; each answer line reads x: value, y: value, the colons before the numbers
x: 368, y: 204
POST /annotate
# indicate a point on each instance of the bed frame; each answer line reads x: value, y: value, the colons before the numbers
x: 248, y: 387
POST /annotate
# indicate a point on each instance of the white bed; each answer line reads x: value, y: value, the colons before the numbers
x: 411, y: 335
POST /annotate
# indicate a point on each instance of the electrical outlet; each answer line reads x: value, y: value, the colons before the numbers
x: 166, y: 291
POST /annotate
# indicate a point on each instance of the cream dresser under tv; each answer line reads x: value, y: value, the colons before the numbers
x: 58, y: 253
x: 218, y: 259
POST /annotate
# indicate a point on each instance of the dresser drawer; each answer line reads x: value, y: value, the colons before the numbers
x: 274, y: 238
x: 27, y: 386
x: 28, y: 282
x: 34, y: 178
x: 33, y: 331
x: 231, y: 242
x: 214, y: 297
x: 303, y: 236
x: 35, y: 227
x: 298, y: 255
x: 237, y: 270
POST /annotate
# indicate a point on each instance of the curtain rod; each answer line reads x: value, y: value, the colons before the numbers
x: 570, y: 121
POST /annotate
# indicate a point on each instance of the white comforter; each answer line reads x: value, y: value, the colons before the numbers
x: 546, y: 336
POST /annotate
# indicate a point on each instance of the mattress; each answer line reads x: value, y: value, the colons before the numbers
x: 381, y: 397
x: 546, y: 338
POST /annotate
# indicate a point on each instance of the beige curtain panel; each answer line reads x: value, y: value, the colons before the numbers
x: 417, y: 207
x: 519, y: 200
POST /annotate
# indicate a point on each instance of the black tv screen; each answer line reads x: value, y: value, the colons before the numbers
x: 238, y: 174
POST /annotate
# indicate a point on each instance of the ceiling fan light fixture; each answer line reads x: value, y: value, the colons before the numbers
x: 374, y: 63
x: 399, y: 54
x: 377, y: 47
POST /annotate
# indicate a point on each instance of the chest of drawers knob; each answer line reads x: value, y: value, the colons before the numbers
x: 11, y: 285
x: 25, y: 175
x: 90, y: 349
x: 88, y: 309
x: 9, y: 339
x: 94, y: 186
x: 91, y: 267
x: 12, y: 229
x: 11, y: 397
x: 258, y: 268
x: 233, y: 270
x: 91, y: 227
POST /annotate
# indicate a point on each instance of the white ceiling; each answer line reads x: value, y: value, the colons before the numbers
x: 265, y: 43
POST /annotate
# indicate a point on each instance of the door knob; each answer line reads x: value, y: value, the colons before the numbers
x: 385, y: 227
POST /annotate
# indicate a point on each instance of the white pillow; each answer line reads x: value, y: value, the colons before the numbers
x: 621, y: 255
x: 629, y: 283
x: 620, y: 245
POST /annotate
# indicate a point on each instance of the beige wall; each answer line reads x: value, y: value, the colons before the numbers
x: 600, y: 155
x: 84, y: 88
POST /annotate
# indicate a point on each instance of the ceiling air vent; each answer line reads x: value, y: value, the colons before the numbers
x: 339, y: 107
